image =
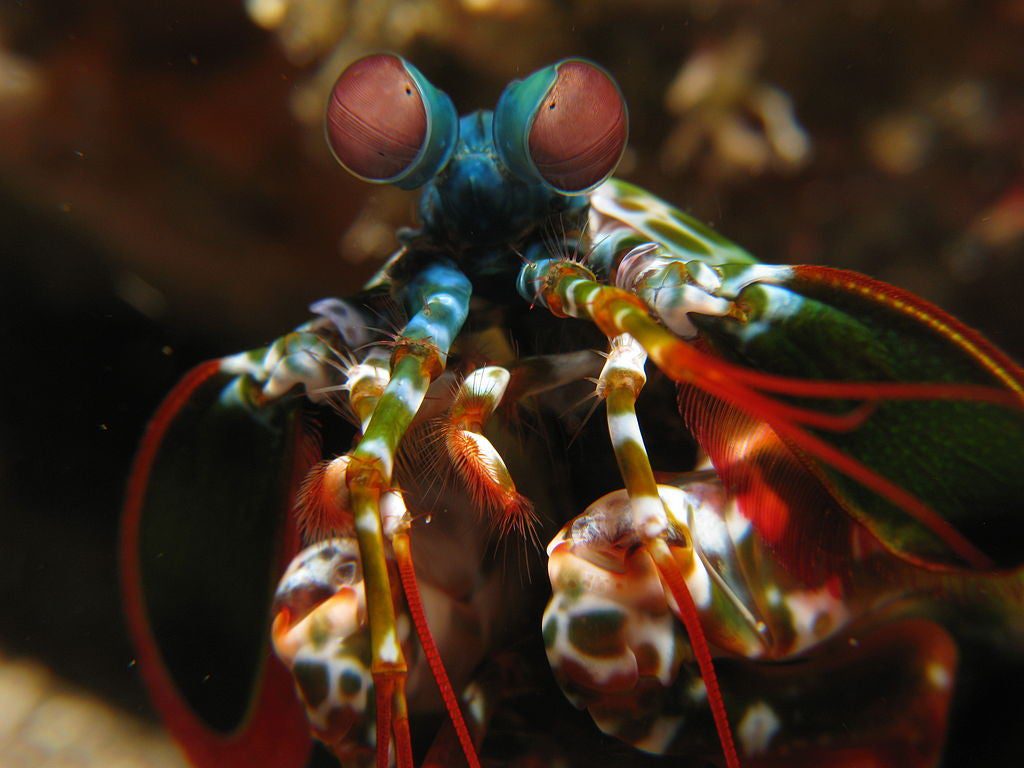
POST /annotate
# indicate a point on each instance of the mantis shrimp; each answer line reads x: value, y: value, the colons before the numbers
x: 855, y: 488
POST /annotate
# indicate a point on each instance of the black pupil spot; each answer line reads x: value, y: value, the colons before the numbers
x: 408, y: 91
x: 551, y: 105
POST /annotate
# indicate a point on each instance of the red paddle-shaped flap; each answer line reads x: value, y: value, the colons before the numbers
x: 929, y: 459
x: 205, y: 535
x: 787, y: 505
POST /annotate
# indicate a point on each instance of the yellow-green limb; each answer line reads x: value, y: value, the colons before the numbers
x: 438, y: 300
x: 620, y: 383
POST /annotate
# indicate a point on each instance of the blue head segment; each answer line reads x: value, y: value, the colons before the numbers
x: 564, y: 126
x: 387, y: 124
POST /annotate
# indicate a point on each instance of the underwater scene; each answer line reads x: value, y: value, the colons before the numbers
x: 511, y: 383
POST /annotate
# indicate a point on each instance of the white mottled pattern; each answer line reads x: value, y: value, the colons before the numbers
x: 406, y: 392
x: 624, y: 429
x: 697, y: 690
x: 625, y: 356
x: 673, y: 304
x: 393, y: 513
x: 757, y: 728
x: 755, y: 273
x: 655, y: 631
x: 736, y: 522
x: 377, y: 448
x: 364, y: 373
x: 649, y: 518
x: 710, y: 531
x: 638, y: 262
x: 602, y: 670
x: 807, y: 608
x: 620, y: 316
x: 474, y: 699
x: 938, y: 675
x: 704, y: 276
x: 390, y: 651
x: 488, y: 382
x: 243, y: 363
x: 699, y: 583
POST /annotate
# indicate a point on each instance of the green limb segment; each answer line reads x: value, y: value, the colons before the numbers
x: 438, y: 299
x: 324, y: 506
x: 620, y: 382
x: 941, y: 415
x: 620, y: 204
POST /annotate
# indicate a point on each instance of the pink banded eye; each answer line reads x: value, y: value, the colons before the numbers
x: 579, y: 132
x: 376, y: 121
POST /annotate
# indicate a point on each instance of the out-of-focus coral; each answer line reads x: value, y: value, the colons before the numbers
x: 21, y: 85
x: 720, y: 105
x: 902, y: 141
x: 46, y: 722
x: 1002, y: 224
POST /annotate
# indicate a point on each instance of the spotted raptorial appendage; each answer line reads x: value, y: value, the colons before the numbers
x: 321, y: 633
x: 611, y: 639
x: 618, y: 650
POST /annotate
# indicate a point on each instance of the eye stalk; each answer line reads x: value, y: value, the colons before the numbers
x: 387, y: 124
x: 565, y: 126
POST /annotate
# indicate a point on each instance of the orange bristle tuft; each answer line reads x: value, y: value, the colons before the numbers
x: 321, y: 506
x: 519, y: 516
x: 490, y: 486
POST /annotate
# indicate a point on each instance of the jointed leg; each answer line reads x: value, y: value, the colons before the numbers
x: 620, y: 383
x: 440, y: 296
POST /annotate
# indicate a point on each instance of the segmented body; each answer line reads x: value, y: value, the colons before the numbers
x: 841, y: 538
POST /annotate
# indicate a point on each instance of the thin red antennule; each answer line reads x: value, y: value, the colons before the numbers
x: 385, y: 693
x: 388, y: 721
x: 669, y: 571
x: 403, y: 739
x: 764, y: 408
x: 685, y: 363
x: 407, y: 573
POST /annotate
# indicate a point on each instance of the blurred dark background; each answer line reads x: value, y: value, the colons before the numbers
x: 166, y: 196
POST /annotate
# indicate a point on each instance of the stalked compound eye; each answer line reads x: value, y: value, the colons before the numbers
x: 387, y: 124
x: 565, y: 125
